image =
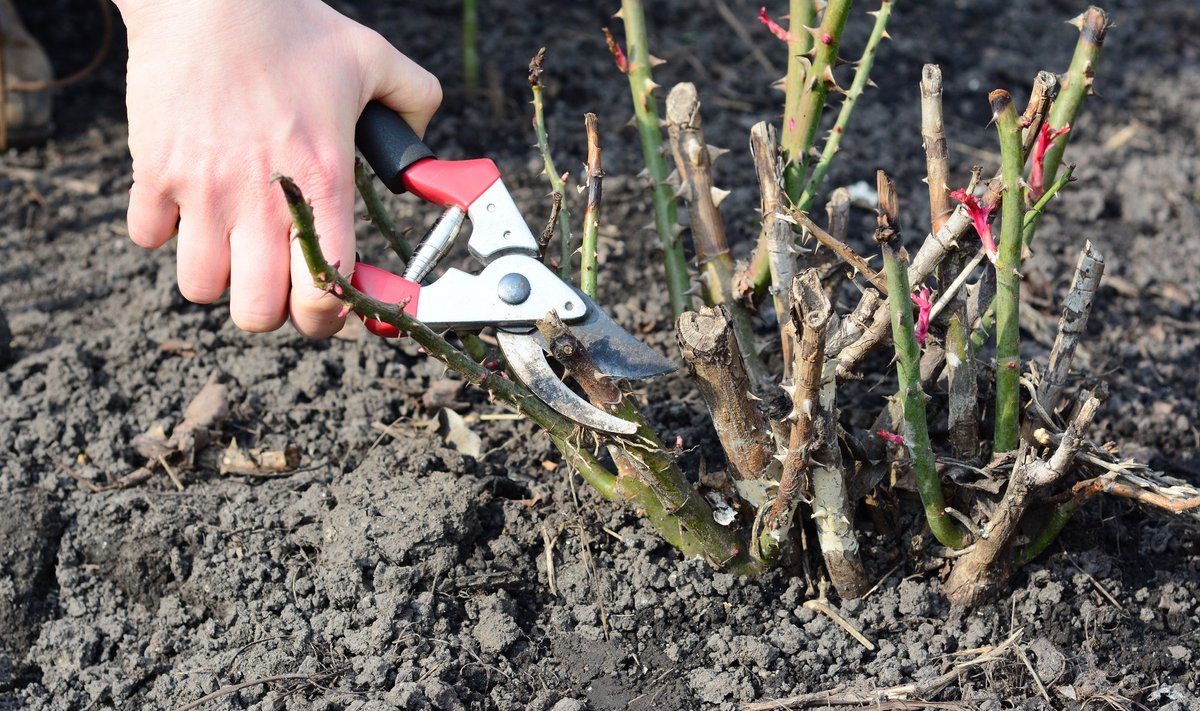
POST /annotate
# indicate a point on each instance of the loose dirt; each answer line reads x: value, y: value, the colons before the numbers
x: 394, y: 572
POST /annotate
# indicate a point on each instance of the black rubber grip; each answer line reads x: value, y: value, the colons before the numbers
x: 388, y: 143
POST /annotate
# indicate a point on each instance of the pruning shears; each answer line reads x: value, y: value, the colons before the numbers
x: 513, y: 290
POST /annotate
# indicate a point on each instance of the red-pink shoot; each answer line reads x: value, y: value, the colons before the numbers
x: 617, y: 53
x: 979, y: 215
x: 924, y: 307
x: 892, y: 437
x: 1045, y: 139
x: 775, y: 28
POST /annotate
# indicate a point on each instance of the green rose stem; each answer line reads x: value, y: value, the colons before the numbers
x: 800, y: 124
x: 1076, y: 85
x: 645, y: 113
x: 801, y: 16
x: 862, y: 77
x: 988, y: 320
x: 379, y: 214
x: 671, y: 505
x: 555, y: 179
x: 470, y: 45
x: 757, y: 276
x: 915, y: 429
x: 591, y: 213
x: 1008, y: 278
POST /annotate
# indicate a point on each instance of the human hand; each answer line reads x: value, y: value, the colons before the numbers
x: 221, y: 95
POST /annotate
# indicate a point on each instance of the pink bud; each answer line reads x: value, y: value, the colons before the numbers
x: 924, y: 307
x: 826, y: 38
x: 337, y: 289
x: 979, y: 215
x: 344, y: 310
x: 678, y: 444
x: 1045, y: 139
x: 772, y: 25
x: 892, y: 437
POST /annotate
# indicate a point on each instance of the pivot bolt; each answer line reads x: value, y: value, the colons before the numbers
x: 513, y: 288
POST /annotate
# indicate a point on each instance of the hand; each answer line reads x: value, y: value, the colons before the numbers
x: 223, y: 93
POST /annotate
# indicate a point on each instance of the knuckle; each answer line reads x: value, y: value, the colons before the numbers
x: 431, y: 92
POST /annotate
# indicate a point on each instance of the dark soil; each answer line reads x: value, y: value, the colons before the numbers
x: 400, y: 573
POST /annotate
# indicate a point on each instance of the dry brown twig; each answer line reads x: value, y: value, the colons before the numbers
x: 918, y: 692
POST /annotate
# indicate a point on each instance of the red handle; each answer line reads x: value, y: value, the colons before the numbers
x: 382, y: 285
x: 450, y: 182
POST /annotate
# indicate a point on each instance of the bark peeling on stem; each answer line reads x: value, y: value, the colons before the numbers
x: 831, y: 503
x: 707, y: 342
x: 811, y: 312
x: 1075, y: 311
x: 775, y: 236
x: 1045, y: 91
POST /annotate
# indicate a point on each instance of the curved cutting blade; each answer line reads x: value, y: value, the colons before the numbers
x: 616, y: 352
x: 525, y: 356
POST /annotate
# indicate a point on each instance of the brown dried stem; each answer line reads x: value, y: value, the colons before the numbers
x: 1045, y: 91
x: 693, y: 160
x: 811, y: 311
x: 937, y: 155
x: 557, y: 181
x: 707, y: 342
x: 987, y: 566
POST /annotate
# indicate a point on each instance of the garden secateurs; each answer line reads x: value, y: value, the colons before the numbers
x: 513, y: 290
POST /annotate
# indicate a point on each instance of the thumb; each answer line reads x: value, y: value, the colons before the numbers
x: 400, y: 84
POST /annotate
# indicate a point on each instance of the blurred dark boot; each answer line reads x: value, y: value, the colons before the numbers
x: 27, y: 74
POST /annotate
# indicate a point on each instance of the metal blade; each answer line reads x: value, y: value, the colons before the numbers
x: 617, y: 352
x: 527, y: 359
